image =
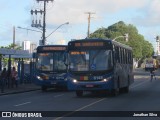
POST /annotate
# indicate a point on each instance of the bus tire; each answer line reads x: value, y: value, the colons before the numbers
x: 43, y: 88
x: 126, y: 89
x: 116, y: 91
x: 79, y: 93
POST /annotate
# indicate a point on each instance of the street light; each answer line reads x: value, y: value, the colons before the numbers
x: 124, y: 36
x: 42, y: 31
x: 57, y: 28
x: 29, y: 29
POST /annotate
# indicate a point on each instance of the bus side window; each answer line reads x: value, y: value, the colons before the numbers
x: 126, y: 56
x: 130, y: 57
x: 121, y: 55
x: 110, y: 60
x: 117, y: 56
x: 123, y: 52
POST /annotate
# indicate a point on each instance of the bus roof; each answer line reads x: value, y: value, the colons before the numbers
x: 121, y: 45
x: 103, y: 40
x: 52, y: 45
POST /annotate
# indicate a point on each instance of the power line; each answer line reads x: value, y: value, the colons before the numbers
x: 37, y: 23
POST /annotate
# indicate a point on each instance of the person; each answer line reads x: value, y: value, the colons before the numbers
x: 14, y: 75
x: 152, y: 74
x: 9, y: 78
x: 3, y: 78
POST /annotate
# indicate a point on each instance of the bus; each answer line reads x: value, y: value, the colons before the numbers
x: 99, y: 65
x: 51, y: 70
x: 151, y: 64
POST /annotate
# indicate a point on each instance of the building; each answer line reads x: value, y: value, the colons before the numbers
x: 33, y: 47
x: 27, y: 45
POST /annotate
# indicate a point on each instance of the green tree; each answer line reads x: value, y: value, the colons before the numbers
x: 16, y: 47
x: 5, y: 60
x: 141, y: 47
x: 100, y: 33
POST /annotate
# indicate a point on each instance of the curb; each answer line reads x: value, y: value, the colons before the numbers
x: 16, y: 92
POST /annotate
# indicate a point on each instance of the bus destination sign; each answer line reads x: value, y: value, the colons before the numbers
x: 89, y: 44
x: 52, y: 48
x: 78, y: 53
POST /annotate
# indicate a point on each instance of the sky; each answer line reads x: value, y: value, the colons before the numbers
x: 143, y: 14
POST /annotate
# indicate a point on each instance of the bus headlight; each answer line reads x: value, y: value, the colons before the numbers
x: 74, y: 80
x: 39, y: 78
x: 43, y: 77
x: 106, y: 79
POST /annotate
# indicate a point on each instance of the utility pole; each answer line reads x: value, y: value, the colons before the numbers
x: 14, y: 37
x: 158, y: 40
x: 89, y: 18
x: 37, y: 23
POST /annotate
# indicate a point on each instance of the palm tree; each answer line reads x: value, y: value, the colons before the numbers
x: 16, y: 47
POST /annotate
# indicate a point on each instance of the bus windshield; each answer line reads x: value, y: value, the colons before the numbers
x: 51, y: 61
x: 90, y: 60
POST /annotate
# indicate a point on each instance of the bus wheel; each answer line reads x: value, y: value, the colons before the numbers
x: 126, y: 89
x: 44, y: 88
x: 115, y: 92
x: 79, y: 93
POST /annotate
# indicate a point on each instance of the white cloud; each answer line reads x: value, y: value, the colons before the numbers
x: 150, y: 16
x: 74, y: 11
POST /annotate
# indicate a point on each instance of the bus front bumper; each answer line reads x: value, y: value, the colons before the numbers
x: 89, y: 86
x: 51, y: 83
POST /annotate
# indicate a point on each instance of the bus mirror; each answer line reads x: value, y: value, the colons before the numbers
x: 65, y: 60
x: 66, y: 63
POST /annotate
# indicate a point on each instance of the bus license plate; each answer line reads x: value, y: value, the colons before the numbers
x: 89, y: 85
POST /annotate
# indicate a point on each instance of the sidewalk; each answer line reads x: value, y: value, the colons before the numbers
x: 26, y: 87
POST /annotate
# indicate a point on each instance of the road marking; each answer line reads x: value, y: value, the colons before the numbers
x: 65, y: 115
x: 140, y: 76
x: 139, y: 84
x: 58, y: 95
x: 22, y: 104
x: 94, y: 103
x: 90, y: 104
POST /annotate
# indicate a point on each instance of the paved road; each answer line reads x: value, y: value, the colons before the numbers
x: 143, y: 96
